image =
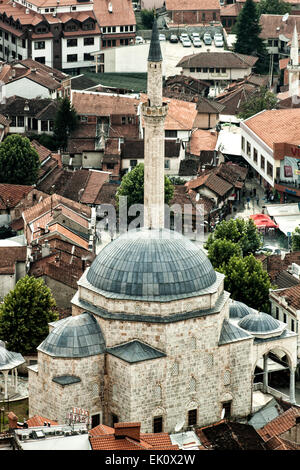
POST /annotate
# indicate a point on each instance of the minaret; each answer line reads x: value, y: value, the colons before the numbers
x: 293, y: 66
x: 154, y: 113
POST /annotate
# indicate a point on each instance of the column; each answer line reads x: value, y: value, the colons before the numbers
x: 265, y: 383
x: 292, y: 385
x: 16, y: 379
x: 5, y: 373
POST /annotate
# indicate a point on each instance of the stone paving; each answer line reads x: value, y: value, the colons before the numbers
x: 21, y: 393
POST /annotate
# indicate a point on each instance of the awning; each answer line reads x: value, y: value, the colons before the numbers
x: 263, y: 220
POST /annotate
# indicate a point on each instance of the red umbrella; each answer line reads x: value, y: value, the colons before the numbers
x: 263, y: 220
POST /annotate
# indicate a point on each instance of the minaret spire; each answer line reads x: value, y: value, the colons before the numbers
x: 154, y: 113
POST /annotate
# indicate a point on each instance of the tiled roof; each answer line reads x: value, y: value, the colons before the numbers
x: 273, y: 26
x: 37, y: 420
x: 12, y: 194
x: 209, y: 106
x: 135, y: 149
x: 107, y: 194
x: 230, y: 436
x: 94, y: 184
x: 9, y: 256
x: 14, y: 106
x: 42, y: 151
x: 233, y: 100
x: 201, y: 5
x: 281, y: 424
x: 30, y: 63
x: 103, y: 438
x: 181, y: 114
x: 211, y: 181
x: 276, y: 125
x: 230, y: 10
x: 218, y: 59
x: 202, y: 140
x: 284, y: 280
x: 122, y: 13
x: 96, y: 104
x: 275, y: 264
x: 135, y: 351
x: 291, y: 296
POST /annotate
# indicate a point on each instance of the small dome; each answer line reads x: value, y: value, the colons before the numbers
x: 156, y: 264
x: 239, y: 310
x: 10, y: 360
x: 260, y: 322
x: 78, y: 336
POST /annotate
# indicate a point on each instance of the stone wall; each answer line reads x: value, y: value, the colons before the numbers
x: 53, y: 401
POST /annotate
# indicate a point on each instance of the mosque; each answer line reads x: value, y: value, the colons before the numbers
x: 153, y: 335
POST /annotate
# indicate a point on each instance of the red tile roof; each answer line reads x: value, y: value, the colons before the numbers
x: 281, y: 424
x: 93, y: 186
x: 122, y: 13
x: 202, y: 140
x: 211, y: 181
x: 103, y: 438
x: 42, y: 151
x: 12, y: 194
x: 179, y: 5
x: 231, y: 60
x: 291, y: 296
x: 96, y: 104
x: 37, y: 420
x: 9, y: 256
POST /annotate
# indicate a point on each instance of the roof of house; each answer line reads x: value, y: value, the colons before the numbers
x: 42, y: 151
x: 275, y: 265
x: 202, y: 140
x: 181, y: 114
x: 122, y: 13
x: 126, y: 81
x: 184, y: 197
x: 272, y: 26
x: 285, y: 280
x: 218, y: 59
x: 231, y: 10
x: 281, y: 424
x: 291, y: 296
x: 107, y: 194
x: 230, y: 436
x: 42, y: 108
x: 9, y: 256
x: 233, y: 100
x: 127, y: 436
x: 37, y: 420
x: 12, y: 194
x: 96, y: 104
x: 180, y: 5
x: 276, y: 125
x: 94, y: 183
x: 205, y: 105
x: 30, y: 63
x: 211, y: 181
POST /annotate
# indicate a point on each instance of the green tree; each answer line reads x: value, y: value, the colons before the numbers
x: 263, y: 99
x: 273, y: 7
x: 247, y: 281
x: 19, y: 161
x: 240, y: 231
x: 220, y: 252
x: 25, y: 314
x: 132, y: 186
x: 65, y: 122
x: 248, y: 41
x: 147, y: 17
x: 296, y: 239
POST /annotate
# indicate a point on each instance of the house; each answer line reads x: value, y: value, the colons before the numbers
x: 132, y: 153
x: 193, y: 12
x: 4, y: 127
x: 217, y: 67
x: 282, y: 433
x: 60, y: 264
x: 30, y: 79
x: 202, y: 146
x: 177, y: 85
x: 30, y: 115
x: 128, y: 436
x: 277, y: 34
x: 270, y: 146
x: 12, y: 267
x: 68, y: 219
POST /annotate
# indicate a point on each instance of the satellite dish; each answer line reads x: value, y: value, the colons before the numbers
x: 223, y: 413
x: 197, y: 197
x: 179, y: 426
x: 285, y: 17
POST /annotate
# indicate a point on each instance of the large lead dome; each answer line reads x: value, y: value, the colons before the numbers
x: 151, y: 263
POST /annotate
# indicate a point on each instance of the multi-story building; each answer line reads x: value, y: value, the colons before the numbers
x: 62, y: 34
x: 193, y: 12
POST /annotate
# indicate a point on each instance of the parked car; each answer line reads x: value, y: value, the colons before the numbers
x: 219, y: 42
x: 184, y: 36
x: 268, y: 249
x: 173, y: 38
x: 207, y: 39
x: 139, y: 40
x: 195, y: 36
x: 197, y: 42
x: 162, y: 37
x: 186, y: 43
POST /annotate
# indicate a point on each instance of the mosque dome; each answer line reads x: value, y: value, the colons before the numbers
x: 75, y: 336
x: 260, y: 323
x: 9, y: 359
x: 157, y: 264
x: 239, y: 310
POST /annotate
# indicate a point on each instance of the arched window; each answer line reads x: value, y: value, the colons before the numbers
x: 192, y: 385
x: 175, y: 369
x: 227, y: 377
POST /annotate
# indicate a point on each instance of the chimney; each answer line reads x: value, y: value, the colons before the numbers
x: 131, y: 430
x: 12, y: 420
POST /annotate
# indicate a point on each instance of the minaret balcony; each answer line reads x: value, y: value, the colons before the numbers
x: 155, y: 111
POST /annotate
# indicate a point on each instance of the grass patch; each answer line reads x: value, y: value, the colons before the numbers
x: 20, y: 408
